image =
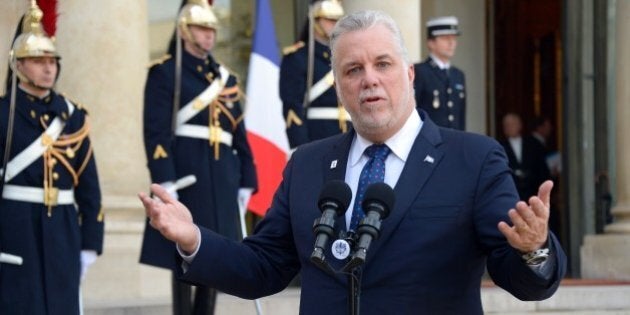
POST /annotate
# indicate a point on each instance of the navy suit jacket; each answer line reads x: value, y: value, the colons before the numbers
x: 433, y: 247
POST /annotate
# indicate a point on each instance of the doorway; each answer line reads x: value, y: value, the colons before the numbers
x: 526, y: 66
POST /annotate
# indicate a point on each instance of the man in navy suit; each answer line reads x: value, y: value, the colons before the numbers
x: 441, y: 87
x: 452, y: 216
x: 526, y: 156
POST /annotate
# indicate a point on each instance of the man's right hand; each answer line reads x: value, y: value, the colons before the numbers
x: 171, y: 218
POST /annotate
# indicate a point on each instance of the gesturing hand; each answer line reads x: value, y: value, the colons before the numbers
x: 530, y: 228
x: 170, y: 217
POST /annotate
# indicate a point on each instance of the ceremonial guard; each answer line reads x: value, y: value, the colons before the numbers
x: 440, y: 87
x: 196, y: 144
x: 51, y: 222
x: 310, y: 105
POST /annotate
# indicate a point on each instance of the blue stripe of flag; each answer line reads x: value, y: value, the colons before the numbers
x: 265, y: 43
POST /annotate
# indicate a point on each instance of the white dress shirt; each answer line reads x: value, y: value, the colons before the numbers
x: 517, y: 146
x: 441, y: 64
x: 400, y: 145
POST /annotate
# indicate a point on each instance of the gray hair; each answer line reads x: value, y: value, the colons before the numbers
x: 362, y: 20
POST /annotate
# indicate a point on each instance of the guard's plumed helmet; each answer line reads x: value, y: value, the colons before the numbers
x: 328, y: 9
x: 33, y: 41
x: 198, y: 12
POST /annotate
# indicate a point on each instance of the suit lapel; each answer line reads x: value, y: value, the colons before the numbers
x: 334, y: 167
x: 423, y: 159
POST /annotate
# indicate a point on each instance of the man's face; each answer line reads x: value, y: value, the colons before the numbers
x: 204, y: 37
x: 443, y: 46
x: 373, y: 82
x: 512, y: 126
x: 327, y: 25
x: 41, y: 71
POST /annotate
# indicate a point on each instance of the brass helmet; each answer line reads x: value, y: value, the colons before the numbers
x: 328, y: 9
x: 198, y: 12
x: 33, y: 41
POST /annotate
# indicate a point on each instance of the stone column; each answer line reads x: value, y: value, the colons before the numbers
x: 621, y: 211
x: 607, y: 255
x: 104, y: 49
x: 406, y: 13
x: 10, y: 13
x: 105, y: 53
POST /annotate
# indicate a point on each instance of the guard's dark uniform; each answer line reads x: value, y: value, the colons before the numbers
x: 441, y: 93
x: 220, y: 169
x: 293, y: 71
x: 48, y: 238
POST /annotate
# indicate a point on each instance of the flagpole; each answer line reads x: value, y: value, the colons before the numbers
x: 241, y: 213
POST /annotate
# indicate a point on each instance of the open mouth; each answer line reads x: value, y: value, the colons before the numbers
x: 371, y: 99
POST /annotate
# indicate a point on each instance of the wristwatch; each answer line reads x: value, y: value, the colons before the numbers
x: 536, y: 257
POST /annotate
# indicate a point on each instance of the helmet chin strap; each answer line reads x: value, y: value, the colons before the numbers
x: 187, y: 36
x: 28, y: 82
x: 33, y: 84
x: 201, y: 49
x: 320, y: 31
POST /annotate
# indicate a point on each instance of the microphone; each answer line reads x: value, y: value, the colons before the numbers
x: 333, y: 201
x: 378, y: 201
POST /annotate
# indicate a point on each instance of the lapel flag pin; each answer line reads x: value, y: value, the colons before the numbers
x: 429, y: 159
x: 333, y: 164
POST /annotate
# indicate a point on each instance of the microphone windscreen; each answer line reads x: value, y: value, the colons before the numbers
x: 379, y: 193
x: 336, y: 191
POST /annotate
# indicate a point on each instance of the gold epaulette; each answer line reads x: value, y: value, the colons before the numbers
x: 159, y: 61
x: 78, y: 105
x: 293, y: 48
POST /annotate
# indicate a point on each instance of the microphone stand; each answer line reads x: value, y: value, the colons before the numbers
x: 354, y: 274
x: 379, y: 198
x: 354, y: 291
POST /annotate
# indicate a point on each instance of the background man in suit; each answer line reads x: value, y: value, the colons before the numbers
x: 193, y: 125
x: 50, y: 210
x: 309, y: 102
x: 440, y: 218
x: 441, y: 87
x: 526, y: 157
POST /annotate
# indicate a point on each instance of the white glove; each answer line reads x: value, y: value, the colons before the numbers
x: 243, y: 199
x: 88, y: 257
x: 171, y: 188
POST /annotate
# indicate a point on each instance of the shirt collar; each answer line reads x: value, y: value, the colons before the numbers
x: 440, y: 63
x: 34, y: 98
x: 400, y: 143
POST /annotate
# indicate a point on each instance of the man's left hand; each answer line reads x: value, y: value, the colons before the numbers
x: 530, y: 229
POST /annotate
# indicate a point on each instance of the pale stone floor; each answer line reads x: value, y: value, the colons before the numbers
x: 570, y: 299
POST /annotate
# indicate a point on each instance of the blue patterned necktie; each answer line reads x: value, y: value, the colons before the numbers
x: 372, y: 172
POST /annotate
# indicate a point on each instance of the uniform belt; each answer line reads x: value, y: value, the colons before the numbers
x: 36, y: 194
x: 326, y: 113
x: 203, y: 132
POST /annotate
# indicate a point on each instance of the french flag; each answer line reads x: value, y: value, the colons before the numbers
x: 263, y: 118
